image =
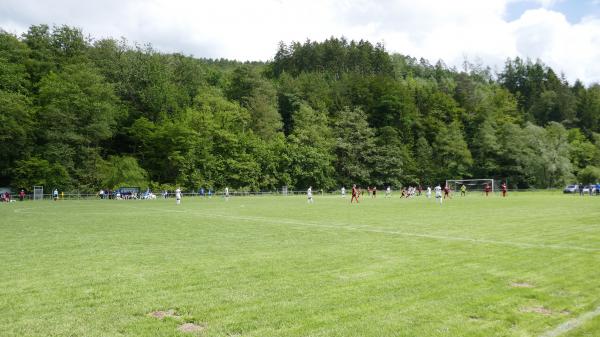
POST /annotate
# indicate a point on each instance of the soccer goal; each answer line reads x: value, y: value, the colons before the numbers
x: 38, y: 192
x: 470, y: 184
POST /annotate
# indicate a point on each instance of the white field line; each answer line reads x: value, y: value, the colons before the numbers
x: 365, y: 228
x: 556, y: 332
x: 572, y: 324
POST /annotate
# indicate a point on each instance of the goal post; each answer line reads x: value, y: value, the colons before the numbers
x: 38, y: 192
x: 470, y: 184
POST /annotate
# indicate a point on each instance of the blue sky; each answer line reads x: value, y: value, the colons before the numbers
x: 574, y: 10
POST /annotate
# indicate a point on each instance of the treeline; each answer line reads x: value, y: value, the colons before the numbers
x: 79, y: 113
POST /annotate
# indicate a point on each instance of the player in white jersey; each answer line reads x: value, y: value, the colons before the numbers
x: 428, y: 194
x: 438, y: 193
x: 226, y: 195
x: 343, y: 192
x: 309, y: 195
x: 177, y: 196
x: 388, y: 192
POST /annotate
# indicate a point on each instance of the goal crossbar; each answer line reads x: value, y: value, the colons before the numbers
x: 455, y: 183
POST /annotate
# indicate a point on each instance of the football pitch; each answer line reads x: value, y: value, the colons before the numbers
x: 526, y: 265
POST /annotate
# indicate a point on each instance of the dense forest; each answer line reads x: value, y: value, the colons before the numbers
x: 83, y: 114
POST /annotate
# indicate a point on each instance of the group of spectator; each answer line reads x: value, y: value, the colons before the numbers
x: 591, y: 189
x: 117, y: 195
x: 6, y: 197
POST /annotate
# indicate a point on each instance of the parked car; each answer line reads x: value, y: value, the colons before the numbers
x: 586, y: 189
x: 571, y: 189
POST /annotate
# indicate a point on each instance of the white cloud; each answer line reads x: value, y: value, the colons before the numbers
x: 448, y: 30
x: 570, y: 48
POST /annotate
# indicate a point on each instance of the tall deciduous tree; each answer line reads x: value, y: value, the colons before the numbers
x: 451, y: 153
x: 77, y: 112
x: 120, y: 171
x: 309, y: 150
x: 16, y: 131
x: 354, y: 147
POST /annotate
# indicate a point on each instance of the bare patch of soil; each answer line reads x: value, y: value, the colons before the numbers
x: 190, y: 327
x: 538, y: 310
x: 163, y: 314
x: 521, y: 285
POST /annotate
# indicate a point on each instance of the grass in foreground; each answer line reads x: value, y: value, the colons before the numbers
x: 276, y: 266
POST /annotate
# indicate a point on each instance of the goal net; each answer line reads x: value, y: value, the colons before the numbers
x: 471, y: 184
x: 38, y: 192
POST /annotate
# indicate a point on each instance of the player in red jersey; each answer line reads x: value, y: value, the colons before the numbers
x: 354, y: 194
x: 446, y: 192
x: 503, y: 189
x: 487, y: 189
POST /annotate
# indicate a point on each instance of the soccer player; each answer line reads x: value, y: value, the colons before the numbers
x: 226, y: 194
x: 446, y: 191
x: 487, y: 189
x: 343, y: 192
x: 420, y: 189
x: 177, y: 196
x: 388, y: 192
x: 55, y: 194
x: 428, y: 194
x: 374, y: 190
x: 463, y: 190
x: 503, y: 189
x: 355, y: 193
x: 22, y: 195
x: 438, y: 193
x: 309, y: 195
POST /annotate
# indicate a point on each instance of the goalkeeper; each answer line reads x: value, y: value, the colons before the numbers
x: 463, y: 190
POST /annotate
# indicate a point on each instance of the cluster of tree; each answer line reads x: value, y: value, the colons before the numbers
x: 78, y: 113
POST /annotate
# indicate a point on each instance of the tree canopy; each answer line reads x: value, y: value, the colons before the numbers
x: 80, y: 113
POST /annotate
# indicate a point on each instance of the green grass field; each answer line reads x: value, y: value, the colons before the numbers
x: 276, y: 266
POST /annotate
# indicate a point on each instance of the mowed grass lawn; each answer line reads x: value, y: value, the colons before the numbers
x: 277, y: 266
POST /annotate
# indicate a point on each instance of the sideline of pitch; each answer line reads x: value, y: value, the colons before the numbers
x: 365, y: 228
x: 572, y: 324
x: 558, y: 331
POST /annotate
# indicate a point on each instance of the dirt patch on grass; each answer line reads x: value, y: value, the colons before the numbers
x: 190, y: 327
x: 163, y: 314
x: 538, y: 310
x: 474, y: 317
x: 521, y: 285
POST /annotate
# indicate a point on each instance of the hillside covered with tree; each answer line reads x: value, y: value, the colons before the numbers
x: 79, y: 113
